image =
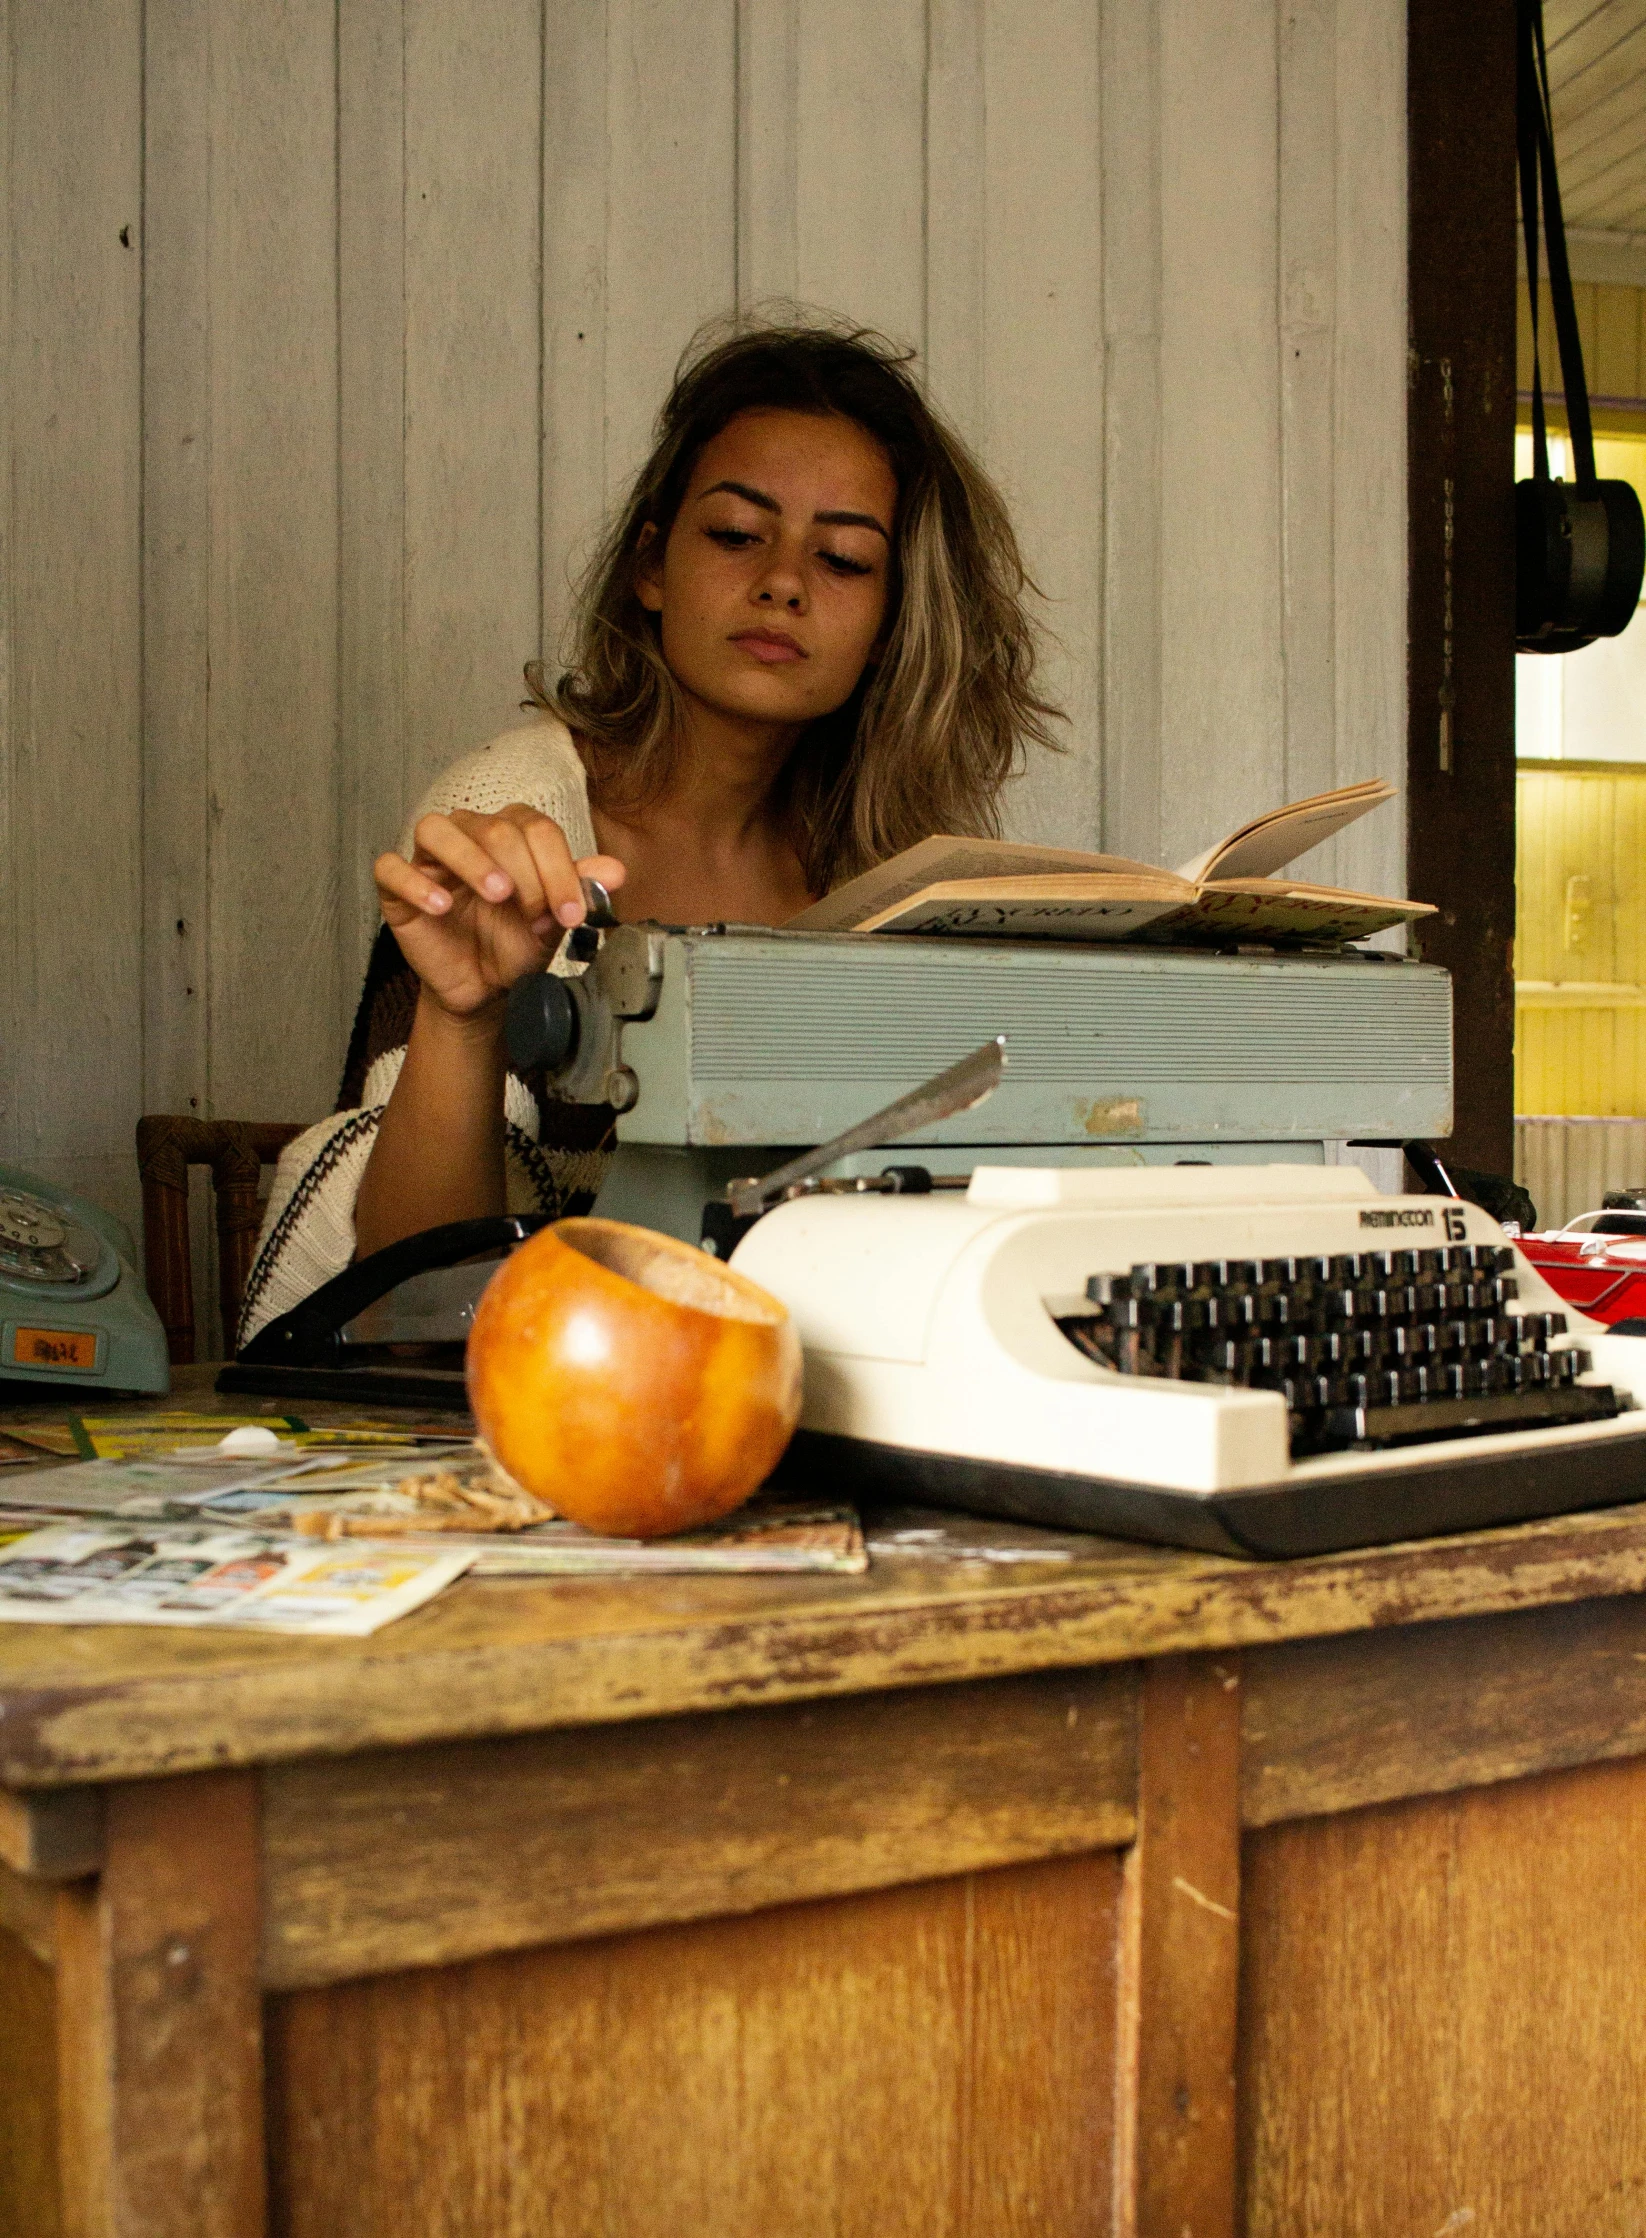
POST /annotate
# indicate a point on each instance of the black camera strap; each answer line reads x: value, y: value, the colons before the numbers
x: 1536, y: 139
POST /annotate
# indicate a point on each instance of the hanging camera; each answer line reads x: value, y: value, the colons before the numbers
x: 1580, y: 547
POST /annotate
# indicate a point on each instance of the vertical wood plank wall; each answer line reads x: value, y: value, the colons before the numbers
x: 331, y: 327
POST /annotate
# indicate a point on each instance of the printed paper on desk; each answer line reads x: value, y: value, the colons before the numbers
x: 203, y: 1576
x: 145, y: 1488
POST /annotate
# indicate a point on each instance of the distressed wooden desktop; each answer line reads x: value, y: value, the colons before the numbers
x: 1151, y: 1893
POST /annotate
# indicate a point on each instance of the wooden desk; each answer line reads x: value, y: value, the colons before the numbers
x: 1152, y: 1894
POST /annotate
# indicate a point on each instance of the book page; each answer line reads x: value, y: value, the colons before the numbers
x: 1051, y: 909
x: 1271, y: 841
x: 1244, y: 910
x: 945, y: 860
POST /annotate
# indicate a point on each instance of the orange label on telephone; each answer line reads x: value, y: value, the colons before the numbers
x: 54, y: 1348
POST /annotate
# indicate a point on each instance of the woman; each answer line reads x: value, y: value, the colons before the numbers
x: 802, y: 646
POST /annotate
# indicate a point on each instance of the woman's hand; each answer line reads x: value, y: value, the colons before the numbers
x: 484, y: 900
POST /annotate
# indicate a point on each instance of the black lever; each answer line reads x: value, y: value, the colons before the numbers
x: 312, y: 1332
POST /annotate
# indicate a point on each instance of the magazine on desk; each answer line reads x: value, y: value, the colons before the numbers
x: 210, y: 1576
x: 995, y: 889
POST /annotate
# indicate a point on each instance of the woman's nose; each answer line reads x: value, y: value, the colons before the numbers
x: 783, y: 584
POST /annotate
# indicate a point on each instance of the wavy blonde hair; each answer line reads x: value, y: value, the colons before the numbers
x: 938, y: 723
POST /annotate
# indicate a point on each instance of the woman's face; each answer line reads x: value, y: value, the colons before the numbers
x: 772, y: 586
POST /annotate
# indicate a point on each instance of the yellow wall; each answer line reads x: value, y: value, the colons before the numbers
x: 1580, y: 945
x: 1611, y: 322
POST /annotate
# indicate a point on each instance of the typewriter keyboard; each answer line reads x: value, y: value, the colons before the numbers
x: 1367, y: 1349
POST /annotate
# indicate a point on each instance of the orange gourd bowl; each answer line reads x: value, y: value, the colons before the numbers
x: 636, y: 1384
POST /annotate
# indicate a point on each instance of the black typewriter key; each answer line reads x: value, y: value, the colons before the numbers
x: 1408, y: 1264
x: 1103, y: 1289
x: 1155, y: 1280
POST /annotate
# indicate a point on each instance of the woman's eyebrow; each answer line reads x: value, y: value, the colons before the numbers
x: 854, y: 520
x: 769, y: 504
x: 766, y: 502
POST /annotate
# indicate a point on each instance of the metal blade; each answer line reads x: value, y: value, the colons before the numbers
x: 961, y: 1088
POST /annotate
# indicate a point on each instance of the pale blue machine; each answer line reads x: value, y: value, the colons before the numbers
x: 73, y: 1309
x: 725, y: 1049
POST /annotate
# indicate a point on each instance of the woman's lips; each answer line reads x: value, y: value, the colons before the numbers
x: 766, y: 645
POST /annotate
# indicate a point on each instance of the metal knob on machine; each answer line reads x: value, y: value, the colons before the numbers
x: 540, y: 1024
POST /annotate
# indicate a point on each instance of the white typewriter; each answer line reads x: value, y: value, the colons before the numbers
x: 1260, y: 1360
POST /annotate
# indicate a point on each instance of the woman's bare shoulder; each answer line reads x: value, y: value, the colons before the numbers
x: 535, y: 762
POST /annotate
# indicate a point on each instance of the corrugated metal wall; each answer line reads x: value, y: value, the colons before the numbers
x: 331, y: 326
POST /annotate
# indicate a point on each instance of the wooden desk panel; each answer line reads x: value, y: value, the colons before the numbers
x: 1443, y: 2015
x: 898, y: 2065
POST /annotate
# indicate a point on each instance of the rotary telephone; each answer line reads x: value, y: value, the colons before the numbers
x: 73, y: 1308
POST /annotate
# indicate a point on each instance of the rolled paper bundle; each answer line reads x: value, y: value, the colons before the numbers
x: 636, y: 1384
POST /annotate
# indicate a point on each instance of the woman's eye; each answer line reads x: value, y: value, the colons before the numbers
x: 841, y: 563
x: 732, y: 539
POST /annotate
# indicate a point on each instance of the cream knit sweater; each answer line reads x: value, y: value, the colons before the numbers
x: 308, y: 1229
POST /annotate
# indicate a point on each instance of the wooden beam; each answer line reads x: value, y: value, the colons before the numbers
x: 1460, y: 785
x: 28, y: 1910
x: 55, y: 1834
x: 554, y: 1838
x: 1333, y: 1725
x: 159, y: 2019
x: 1180, y: 1958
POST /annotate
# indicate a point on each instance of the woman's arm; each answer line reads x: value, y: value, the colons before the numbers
x: 484, y: 900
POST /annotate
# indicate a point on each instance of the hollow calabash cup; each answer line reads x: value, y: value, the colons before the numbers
x: 636, y: 1384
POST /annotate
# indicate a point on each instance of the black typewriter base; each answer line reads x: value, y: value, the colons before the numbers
x: 378, y: 1385
x: 1458, y: 1490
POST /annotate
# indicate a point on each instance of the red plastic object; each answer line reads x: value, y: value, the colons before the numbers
x: 1603, y: 1276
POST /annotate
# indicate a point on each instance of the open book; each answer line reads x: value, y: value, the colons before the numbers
x: 995, y: 889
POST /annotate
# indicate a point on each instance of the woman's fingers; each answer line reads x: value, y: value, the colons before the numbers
x: 559, y: 883
x: 454, y: 844
x: 610, y: 872
x: 405, y: 892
